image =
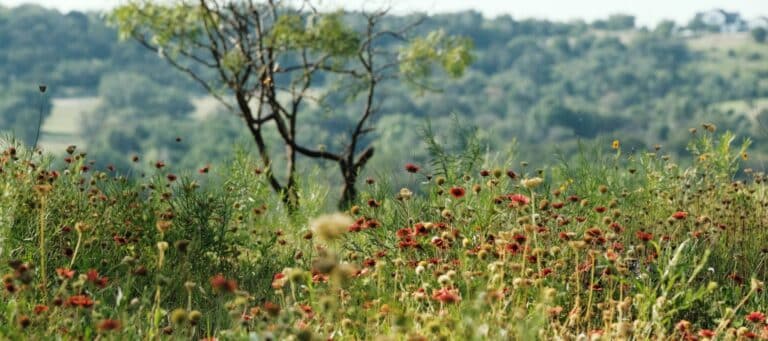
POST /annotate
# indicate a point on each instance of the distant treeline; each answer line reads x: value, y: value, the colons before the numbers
x: 540, y: 85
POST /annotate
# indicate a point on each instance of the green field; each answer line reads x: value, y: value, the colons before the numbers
x: 612, y: 247
x: 62, y: 127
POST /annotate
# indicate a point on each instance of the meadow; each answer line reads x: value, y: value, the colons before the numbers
x: 612, y: 246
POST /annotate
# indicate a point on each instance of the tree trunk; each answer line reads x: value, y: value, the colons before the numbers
x: 349, y: 191
x: 291, y: 192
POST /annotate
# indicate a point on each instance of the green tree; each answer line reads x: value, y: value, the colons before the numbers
x: 20, y: 111
x: 759, y: 34
x: 268, y: 58
x: 124, y: 90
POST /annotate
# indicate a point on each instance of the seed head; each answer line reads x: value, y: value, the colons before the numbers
x: 331, y: 226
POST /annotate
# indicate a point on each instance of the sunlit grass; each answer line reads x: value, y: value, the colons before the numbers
x: 604, y: 245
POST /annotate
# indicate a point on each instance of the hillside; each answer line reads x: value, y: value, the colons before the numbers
x: 531, y: 81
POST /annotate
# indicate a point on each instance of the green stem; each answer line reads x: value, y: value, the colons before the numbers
x: 43, y: 272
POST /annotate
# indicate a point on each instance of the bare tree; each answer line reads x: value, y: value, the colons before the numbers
x: 262, y: 60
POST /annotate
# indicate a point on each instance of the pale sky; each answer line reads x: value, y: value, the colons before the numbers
x: 648, y: 12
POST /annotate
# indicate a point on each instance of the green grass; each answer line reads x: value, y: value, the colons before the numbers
x: 62, y: 127
x: 623, y: 246
x: 729, y: 53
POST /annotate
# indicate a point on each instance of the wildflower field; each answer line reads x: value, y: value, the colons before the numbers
x: 612, y: 246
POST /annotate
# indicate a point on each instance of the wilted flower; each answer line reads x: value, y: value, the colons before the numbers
x: 43, y: 190
x: 162, y: 246
x: 330, y: 226
x: 109, y: 325
x: 405, y: 194
x: 532, y: 183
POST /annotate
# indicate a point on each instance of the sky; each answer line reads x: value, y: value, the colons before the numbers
x: 648, y: 12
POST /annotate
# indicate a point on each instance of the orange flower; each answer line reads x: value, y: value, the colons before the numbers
x: 39, y: 309
x: 519, y: 199
x: 65, y: 273
x: 458, y: 192
x: 446, y: 295
x: 82, y: 301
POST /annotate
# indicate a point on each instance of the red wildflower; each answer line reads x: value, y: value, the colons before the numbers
x: 92, y: 275
x: 82, y: 301
x: 271, y: 308
x: 307, y: 310
x: 408, y: 243
x: 39, y: 309
x: 520, y: 238
x: 159, y: 164
x: 736, y: 278
x: 355, y: 227
x: 511, y: 174
x: 706, y: 333
x: 65, y: 273
x: 683, y: 325
x: 373, y: 203
x: 644, y: 236
x: 204, y: 170
x: 485, y: 172
x: 594, y: 232
x: 439, y: 243
x: 513, y: 248
x: 319, y: 278
x: 680, y: 215
x: 519, y: 199
x: 278, y: 280
x: 119, y: 240
x: 109, y: 325
x: 600, y: 209
x: 411, y: 168
x: 403, y: 233
x: 756, y: 317
x: 24, y: 321
x: 420, y: 229
x: 446, y: 295
x: 458, y: 192
x: 219, y: 283
x: 372, y: 224
x: 171, y: 177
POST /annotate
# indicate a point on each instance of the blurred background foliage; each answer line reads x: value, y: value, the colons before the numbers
x: 536, y: 87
